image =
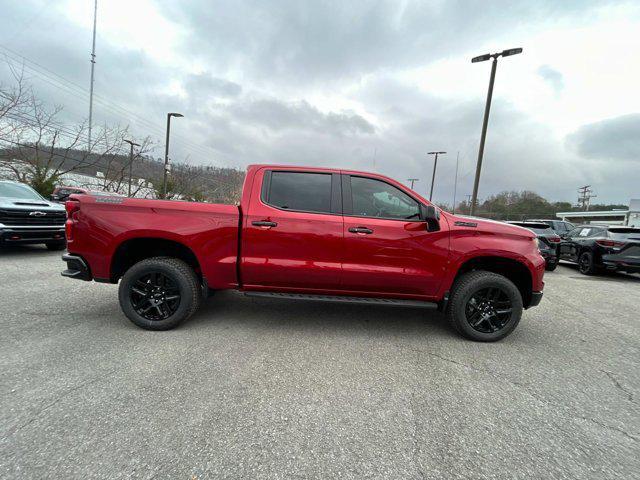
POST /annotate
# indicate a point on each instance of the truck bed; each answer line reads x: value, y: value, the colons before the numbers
x: 104, y: 227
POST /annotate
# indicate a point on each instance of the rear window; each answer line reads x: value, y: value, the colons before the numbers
x: 308, y: 192
x: 539, y: 228
x: 624, y: 233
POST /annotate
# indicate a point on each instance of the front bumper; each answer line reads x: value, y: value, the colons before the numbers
x: 536, y: 297
x: 76, y: 268
x: 10, y: 235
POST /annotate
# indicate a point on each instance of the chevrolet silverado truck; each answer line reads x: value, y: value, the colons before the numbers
x: 27, y: 218
x: 306, y: 233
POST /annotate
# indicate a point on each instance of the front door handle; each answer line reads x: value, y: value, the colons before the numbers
x: 264, y: 223
x: 364, y: 230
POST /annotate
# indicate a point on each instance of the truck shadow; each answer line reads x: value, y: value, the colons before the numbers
x: 291, y: 315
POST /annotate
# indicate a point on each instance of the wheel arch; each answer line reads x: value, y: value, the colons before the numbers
x: 133, y: 250
x: 514, y: 270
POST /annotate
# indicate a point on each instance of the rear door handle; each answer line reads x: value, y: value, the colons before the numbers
x: 264, y: 223
x: 365, y: 230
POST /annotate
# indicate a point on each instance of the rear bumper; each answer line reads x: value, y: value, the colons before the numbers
x: 76, y: 268
x: 627, y: 263
x: 536, y: 297
x: 10, y: 235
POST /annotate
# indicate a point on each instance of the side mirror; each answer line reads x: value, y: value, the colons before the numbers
x: 431, y: 215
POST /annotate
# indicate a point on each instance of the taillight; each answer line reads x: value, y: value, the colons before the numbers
x: 554, y: 239
x: 604, y: 242
x: 71, y: 206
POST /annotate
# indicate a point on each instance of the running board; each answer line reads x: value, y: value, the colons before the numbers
x: 394, y: 302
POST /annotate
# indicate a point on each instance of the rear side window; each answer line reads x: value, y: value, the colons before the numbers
x: 307, y: 192
x: 374, y: 198
x: 624, y: 233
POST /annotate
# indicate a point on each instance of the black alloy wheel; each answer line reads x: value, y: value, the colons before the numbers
x: 155, y: 296
x: 585, y: 264
x: 489, y: 310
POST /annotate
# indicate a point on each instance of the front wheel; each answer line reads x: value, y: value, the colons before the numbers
x: 550, y: 267
x: 484, y: 306
x: 159, y: 293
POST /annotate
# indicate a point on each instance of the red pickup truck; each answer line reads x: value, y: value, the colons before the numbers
x: 306, y: 233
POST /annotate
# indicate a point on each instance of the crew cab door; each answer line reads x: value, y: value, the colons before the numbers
x: 292, y: 236
x: 387, y: 247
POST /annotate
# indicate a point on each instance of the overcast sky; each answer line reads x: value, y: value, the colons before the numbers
x: 358, y: 84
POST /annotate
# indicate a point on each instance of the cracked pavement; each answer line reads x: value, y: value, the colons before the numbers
x: 259, y: 388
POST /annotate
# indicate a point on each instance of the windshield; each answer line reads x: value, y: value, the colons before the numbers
x: 16, y: 190
x: 624, y: 233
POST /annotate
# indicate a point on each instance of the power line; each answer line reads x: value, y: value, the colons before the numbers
x: 73, y: 88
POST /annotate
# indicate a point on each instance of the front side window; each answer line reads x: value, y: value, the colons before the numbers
x: 374, y: 198
x: 574, y: 232
x: 308, y: 192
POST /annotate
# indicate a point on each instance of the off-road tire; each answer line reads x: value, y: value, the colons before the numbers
x: 465, y: 287
x: 180, y: 273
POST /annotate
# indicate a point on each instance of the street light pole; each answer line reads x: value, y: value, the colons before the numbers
x: 412, y: 180
x: 166, y: 153
x: 487, y: 108
x: 433, y: 177
x: 132, y: 144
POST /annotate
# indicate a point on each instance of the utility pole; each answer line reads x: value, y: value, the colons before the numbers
x: 586, y: 194
x: 487, y: 107
x: 412, y: 180
x: 132, y: 144
x: 455, y: 183
x: 93, y: 66
x: 468, y: 195
x: 435, y: 164
x: 166, y: 153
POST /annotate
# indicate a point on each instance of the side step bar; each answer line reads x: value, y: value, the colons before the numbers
x: 395, y: 302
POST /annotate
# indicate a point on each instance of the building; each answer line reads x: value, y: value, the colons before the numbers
x: 629, y: 217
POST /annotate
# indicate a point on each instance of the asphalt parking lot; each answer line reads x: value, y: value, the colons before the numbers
x: 258, y: 388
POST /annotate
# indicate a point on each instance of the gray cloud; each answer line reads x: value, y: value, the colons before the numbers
x: 552, y: 76
x: 611, y: 139
x: 284, y: 41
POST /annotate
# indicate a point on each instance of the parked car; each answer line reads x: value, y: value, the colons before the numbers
x: 595, y: 248
x: 548, y: 241
x: 559, y: 226
x: 62, y: 194
x: 306, y: 233
x: 27, y: 218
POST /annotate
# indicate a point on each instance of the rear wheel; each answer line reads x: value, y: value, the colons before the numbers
x: 585, y: 264
x: 159, y: 293
x: 484, y: 306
